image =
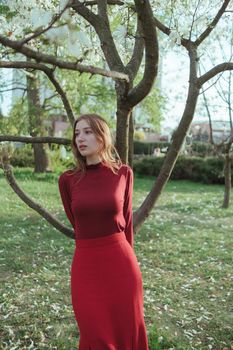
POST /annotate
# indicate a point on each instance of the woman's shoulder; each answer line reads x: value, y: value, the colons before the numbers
x: 66, y: 176
x: 126, y: 169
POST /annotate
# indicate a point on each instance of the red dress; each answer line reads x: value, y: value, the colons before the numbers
x: 106, y: 281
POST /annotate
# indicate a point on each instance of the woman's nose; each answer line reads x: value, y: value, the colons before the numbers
x: 80, y: 136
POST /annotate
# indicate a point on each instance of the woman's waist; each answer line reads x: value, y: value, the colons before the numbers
x: 99, y: 240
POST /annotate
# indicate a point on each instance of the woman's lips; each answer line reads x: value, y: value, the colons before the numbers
x: 82, y: 147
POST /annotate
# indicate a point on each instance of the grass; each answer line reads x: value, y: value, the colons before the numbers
x: 184, y: 250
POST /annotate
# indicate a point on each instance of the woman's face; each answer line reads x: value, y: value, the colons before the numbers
x: 85, y: 139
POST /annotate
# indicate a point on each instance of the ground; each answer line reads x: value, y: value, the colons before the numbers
x: 184, y: 250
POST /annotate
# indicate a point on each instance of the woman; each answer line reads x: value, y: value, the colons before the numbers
x: 106, y: 282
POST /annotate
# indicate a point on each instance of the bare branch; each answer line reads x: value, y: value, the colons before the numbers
x: 13, y: 88
x: 213, y: 24
x: 40, y: 57
x: 46, y: 99
x: 193, y: 20
x: 35, y: 139
x: 32, y: 204
x: 220, y: 76
x: 214, y: 71
x: 209, y: 117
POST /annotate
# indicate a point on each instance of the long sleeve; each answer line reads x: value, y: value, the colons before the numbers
x: 65, y: 197
x: 128, y: 211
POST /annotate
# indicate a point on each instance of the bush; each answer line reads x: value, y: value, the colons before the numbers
x: 202, y: 149
x: 23, y: 157
x: 56, y: 160
x: 207, y: 170
x: 148, y: 147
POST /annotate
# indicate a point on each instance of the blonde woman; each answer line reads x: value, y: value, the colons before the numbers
x: 106, y: 281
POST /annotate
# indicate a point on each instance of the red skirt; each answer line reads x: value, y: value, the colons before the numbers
x: 107, y: 294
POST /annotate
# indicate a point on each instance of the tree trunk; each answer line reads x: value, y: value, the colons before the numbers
x: 41, y: 158
x: 36, y: 123
x: 122, y: 132
x: 130, y: 142
x: 227, y: 178
x: 178, y: 138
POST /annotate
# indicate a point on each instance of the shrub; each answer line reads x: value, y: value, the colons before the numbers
x: 201, y: 149
x: 207, y: 170
x: 23, y: 156
x: 148, y: 147
x: 57, y: 161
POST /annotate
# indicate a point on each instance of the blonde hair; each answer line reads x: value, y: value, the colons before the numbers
x: 103, y: 134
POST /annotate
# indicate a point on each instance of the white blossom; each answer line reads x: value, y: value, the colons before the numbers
x: 57, y: 35
x: 40, y: 18
x: 74, y: 48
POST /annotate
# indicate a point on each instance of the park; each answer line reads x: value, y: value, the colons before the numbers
x: 164, y: 86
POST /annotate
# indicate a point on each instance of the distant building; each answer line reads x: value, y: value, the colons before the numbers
x: 200, y: 131
x: 57, y: 125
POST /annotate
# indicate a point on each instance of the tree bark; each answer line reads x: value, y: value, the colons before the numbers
x: 122, y: 132
x: 178, y: 138
x: 227, y: 178
x: 36, y: 126
x: 32, y: 204
x: 131, y: 138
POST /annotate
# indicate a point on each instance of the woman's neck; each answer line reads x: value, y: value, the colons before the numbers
x: 92, y: 161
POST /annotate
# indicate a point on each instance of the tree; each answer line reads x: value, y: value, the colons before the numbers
x: 124, y: 60
x: 223, y: 148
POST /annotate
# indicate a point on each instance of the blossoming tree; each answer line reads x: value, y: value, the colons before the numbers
x: 124, y: 34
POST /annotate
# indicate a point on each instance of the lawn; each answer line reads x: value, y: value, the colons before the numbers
x: 184, y: 250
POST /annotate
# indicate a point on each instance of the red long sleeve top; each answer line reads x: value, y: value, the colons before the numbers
x: 100, y: 203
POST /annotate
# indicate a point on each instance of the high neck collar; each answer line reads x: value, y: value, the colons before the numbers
x: 95, y: 166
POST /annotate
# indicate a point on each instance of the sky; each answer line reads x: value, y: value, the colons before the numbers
x: 6, y: 96
x: 174, y: 86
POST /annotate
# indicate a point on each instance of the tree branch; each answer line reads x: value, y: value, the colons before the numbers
x: 193, y: 19
x: 36, y: 139
x: 62, y: 94
x: 46, y: 99
x: 102, y: 28
x: 42, y: 31
x: 50, y: 74
x: 102, y: 10
x: 136, y: 59
x: 214, y: 71
x: 109, y: 2
x: 213, y: 24
x: 14, y: 88
x: 151, y: 53
x: 83, y: 11
x: 167, y: 31
x: 40, y: 57
x: 174, y: 149
x: 35, y: 206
